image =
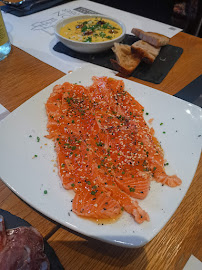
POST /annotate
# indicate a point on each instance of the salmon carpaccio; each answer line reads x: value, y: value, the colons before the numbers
x: 106, y: 152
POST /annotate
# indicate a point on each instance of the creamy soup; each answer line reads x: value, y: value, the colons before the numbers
x: 91, y: 30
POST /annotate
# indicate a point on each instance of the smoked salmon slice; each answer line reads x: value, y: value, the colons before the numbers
x: 106, y: 152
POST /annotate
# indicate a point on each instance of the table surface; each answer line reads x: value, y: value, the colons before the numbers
x: 22, y: 76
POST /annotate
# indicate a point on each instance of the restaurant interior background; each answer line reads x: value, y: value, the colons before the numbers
x: 185, y: 14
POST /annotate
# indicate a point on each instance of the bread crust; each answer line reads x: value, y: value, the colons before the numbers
x: 146, y: 51
x: 154, y: 39
x: 126, y: 62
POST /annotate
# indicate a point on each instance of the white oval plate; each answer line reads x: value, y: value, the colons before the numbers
x: 28, y: 177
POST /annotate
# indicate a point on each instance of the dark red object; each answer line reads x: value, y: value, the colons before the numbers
x: 21, y: 248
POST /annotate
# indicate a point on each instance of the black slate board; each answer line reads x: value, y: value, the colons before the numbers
x: 192, y: 92
x: 12, y: 221
x: 154, y: 73
x: 23, y: 9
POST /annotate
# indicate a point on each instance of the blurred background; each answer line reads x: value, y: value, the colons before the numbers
x: 185, y: 14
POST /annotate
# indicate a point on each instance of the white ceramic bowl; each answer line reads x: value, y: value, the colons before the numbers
x: 88, y: 47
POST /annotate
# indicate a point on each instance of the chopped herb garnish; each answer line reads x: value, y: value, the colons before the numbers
x: 38, y: 139
x: 62, y: 165
x: 45, y: 191
x: 166, y: 164
x: 30, y: 136
x: 88, y: 182
x: 100, y: 144
x: 73, y: 122
x: 132, y: 189
x: 161, y: 124
x: 93, y: 192
x: 88, y: 39
x: 72, y: 185
x: 35, y: 156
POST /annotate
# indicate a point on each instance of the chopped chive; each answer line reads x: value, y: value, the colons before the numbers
x: 72, y: 185
x: 38, y: 139
x: 45, y: 191
x: 132, y: 189
x: 93, y: 192
x: 161, y: 124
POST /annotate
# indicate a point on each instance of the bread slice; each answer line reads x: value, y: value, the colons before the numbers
x: 126, y: 61
x: 144, y: 50
x: 154, y: 39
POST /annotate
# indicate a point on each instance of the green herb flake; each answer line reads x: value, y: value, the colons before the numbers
x: 30, y: 136
x: 161, y: 124
x: 35, y: 155
x: 132, y: 189
x: 88, y: 182
x: 72, y: 185
x: 166, y: 164
x: 45, y: 191
x: 93, y: 192
x: 94, y: 187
